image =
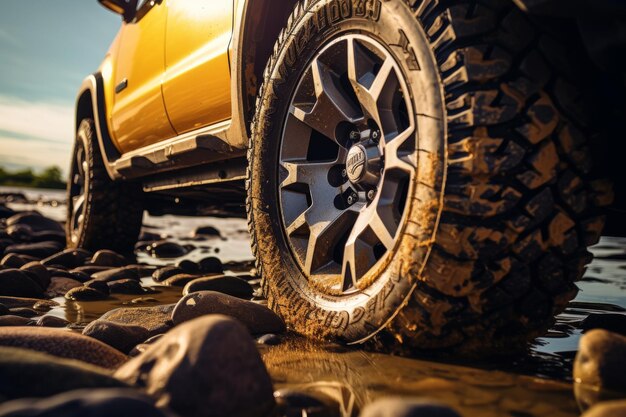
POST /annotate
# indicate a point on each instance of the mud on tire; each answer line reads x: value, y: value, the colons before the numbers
x: 504, y: 203
x: 109, y: 214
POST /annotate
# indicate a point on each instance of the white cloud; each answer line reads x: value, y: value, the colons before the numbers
x: 35, y: 153
x: 41, y: 120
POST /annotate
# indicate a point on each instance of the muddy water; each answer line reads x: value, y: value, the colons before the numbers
x: 537, y: 384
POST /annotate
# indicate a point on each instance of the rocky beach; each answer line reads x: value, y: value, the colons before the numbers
x: 182, y: 329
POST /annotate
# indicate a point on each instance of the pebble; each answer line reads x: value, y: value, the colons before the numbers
x: 607, y: 409
x: 207, y: 231
x: 16, y: 283
x: 407, y: 407
x: 62, y: 343
x: 5, y: 212
x: 257, y: 318
x: 35, y: 221
x: 90, y: 269
x: 226, y: 284
x: 188, y: 267
x: 106, y: 257
x: 38, y: 250
x: 123, y: 337
x: 4, y: 310
x: 195, y: 371
x: 126, y: 286
x: 12, y: 261
x: 101, y: 286
x: 156, y: 319
x: 52, y: 321
x: 116, y: 402
x: 601, y: 360
x: 68, y: 258
x: 84, y: 293
x: 116, y: 274
x: 36, y: 374
x: 179, y: 280
x: 166, y: 272
x: 38, y: 273
x: 24, y: 312
x: 166, y: 249
x: 11, y: 320
x: 211, y: 265
x: 12, y: 302
x: 59, y: 286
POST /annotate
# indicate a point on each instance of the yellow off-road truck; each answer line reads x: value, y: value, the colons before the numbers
x: 418, y: 173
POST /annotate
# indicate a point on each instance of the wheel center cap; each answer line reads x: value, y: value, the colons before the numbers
x: 356, y: 163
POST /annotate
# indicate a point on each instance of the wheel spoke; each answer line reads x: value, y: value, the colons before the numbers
x: 396, y: 159
x: 304, y: 172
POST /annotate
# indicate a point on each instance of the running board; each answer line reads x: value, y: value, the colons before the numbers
x: 191, y: 149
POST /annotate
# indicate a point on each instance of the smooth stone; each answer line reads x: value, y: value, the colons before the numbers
x: 179, y: 280
x: 36, y: 374
x: 207, y: 231
x: 69, y: 258
x: 47, y: 235
x: 143, y: 271
x: 52, y: 321
x: 38, y: 250
x: 615, y: 408
x: 126, y: 286
x: 11, y: 320
x: 35, y: 221
x: 269, y: 339
x: 204, y: 368
x: 226, y: 284
x: 166, y: 249
x: 39, y: 273
x: 601, y: 361
x: 101, y: 286
x: 612, y: 322
x: 106, y: 257
x: 5, y: 212
x: 59, y: 286
x: 12, y: 261
x: 118, y: 402
x: 142, y: 347
x: 157, y: 319
x: 188, y: 267
x: 290, y: 403
x: 116, y: 274
x: 90, y: 269
x: 16, y: 283
x: 84, y: 293
x: 37, y: 304
x: 406, y: 407
x: 62, y: 343
x: 24, y: 312
x: 62, y: 273
x: 4, y: 310
x: 123, y: 337
x: 211, y: 265
x: 257, y: 318
x: 166, y: 272
x: 20, y: 232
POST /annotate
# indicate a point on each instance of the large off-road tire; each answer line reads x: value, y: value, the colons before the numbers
x: 491, y: 231
x: 102, y: 213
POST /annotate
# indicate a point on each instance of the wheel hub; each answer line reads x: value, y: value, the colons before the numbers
x: 363, y: 165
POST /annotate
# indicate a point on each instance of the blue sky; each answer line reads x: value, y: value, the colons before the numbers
x: 47, y: 47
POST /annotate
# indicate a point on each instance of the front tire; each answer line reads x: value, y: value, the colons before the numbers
x: 102, y: 213
x: 500, y: 207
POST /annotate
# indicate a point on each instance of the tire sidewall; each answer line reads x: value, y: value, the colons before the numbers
x: 304, y: 307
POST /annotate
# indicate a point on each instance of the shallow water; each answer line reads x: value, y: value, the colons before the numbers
x: 536, y: 384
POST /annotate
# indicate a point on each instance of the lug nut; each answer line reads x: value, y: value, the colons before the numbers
x: 355, y: 136
x: 344, y: 173
x: 375, y: 135
x: 352, y: 198
x: 371, y: 194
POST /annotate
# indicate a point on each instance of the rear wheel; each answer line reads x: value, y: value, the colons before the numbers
x: 420, y: 173
x: 102, y: 213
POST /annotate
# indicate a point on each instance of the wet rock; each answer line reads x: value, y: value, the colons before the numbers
x: 59, y: 286
x: 607, y: 409
x: 4, y: 310
x: 38, y: 250
x: 5, y: 243
x: 68, y: 258
x: 20, y: 232
x: 52, y: 321
x: 24, y: 312
x: 145, y: 236
x: 195, y: 371
x: 166, y: 249
x: 12, y: 261
x: 142, y: 347
x: 5, y: 212
x: 207, y: 231
x: 269, y: 339
x: 179, y: 280
x: 36, y: 374
x: 84, y: 293
x: 156, y: 319
x: 292, y: 403
x: 13, y: 302
x: 101, y: 286
x: 116, y: 274
x: 406, y: 407
x: 142, y: 270
x: 62, y: 273
x: 126, y: 286
x: 86, y: 403
x: 11, y: 320
x: 90, y: 269
x: 62, y: 343
x: 230, y: 285
x: 211, y: 265
x: 123, y: 337
x: 105, y: 257
x: 612, y: 322
x: 16, y: 283
x: 258, y: 319
x: 188, y: 267
x: 35, y: 221
x: 166, y: 272
x: 37, y: 273
x: 601, y: 361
